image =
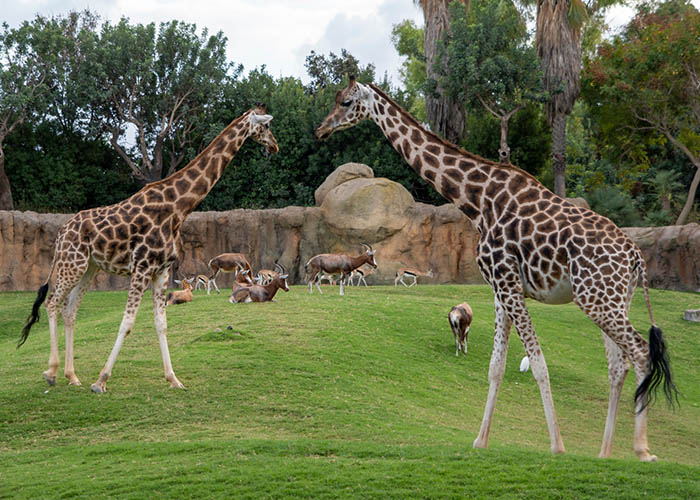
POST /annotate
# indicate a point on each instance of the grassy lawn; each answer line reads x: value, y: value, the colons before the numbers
x: 322, y: 396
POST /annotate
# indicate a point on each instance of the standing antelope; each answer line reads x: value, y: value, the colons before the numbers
x: 265, y: 276
x: 261, y: 293
x: 408, y: 272
x: 460, y: 321
x: 180, y: 296
x: 227, y: 263
x: 361, y: 275
x: 334, y: 263
x: 202, y: 280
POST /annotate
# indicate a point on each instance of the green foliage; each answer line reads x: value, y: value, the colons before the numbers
x: 612, y: 203
x: 357, y: 397
x: 54, y: 170
x: 644, y: 82
x: 408, y: 42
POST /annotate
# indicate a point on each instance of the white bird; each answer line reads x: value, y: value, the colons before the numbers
x: 524, y: 364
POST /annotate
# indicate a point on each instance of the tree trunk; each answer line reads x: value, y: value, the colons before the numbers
x: 446, y: 116
x: 504, y: 150
x: 559, y: 153
x: 6, y: 202
x: 691, y: 196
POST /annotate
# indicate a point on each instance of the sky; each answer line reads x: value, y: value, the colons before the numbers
x: 276, y: 33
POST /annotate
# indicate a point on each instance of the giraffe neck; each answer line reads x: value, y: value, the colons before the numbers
x: 186, y: 188
x: 461, y: 177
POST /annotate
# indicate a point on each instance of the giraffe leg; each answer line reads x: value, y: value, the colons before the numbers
x: 68, y: 277
x: 137, y: 286
x: 496, y: 370
x: 617, y: 371
x: 70, y: 311
x: 160, y: 285
x: 514, y: 303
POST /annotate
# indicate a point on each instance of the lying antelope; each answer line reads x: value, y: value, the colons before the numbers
x: 180, y: 296
x: 261, y: 293
x: 227, y: 263
x: 243, y: 280
x: 460, y: 320
x: 408, y: 272
x: 333, y: 263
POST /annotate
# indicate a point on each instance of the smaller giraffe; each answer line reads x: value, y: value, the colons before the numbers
x: 140, y: 238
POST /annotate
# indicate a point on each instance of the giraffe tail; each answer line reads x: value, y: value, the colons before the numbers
x: 34, y: 316
x: 659, y: 363
x: 40, y: 298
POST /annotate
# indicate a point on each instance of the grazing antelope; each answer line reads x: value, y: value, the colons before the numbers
x: 334, y: 263
x: 408, y: 272
x: 261, y: 293
x: 227, y: 263
x: 361, y: 275
x: 180, y: 296
x: 460, y: 321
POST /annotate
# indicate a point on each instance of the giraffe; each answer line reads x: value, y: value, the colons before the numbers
x: 532, y: 244
x: 140, y: 238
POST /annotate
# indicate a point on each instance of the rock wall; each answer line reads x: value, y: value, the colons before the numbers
x: 354, y: 208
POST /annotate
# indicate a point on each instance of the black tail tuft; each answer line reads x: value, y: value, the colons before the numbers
x: 34, y: 316
x: 659, y: 371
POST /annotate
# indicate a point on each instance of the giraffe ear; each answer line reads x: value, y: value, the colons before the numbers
x: 262, y: 119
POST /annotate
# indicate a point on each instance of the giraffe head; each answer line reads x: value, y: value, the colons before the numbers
x: 352, y: 105
x: 260, y: 128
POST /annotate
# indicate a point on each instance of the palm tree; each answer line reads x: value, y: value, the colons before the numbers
x: 446, y: 116
x: 558, y: 42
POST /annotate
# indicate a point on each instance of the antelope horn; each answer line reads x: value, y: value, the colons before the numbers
x: 369, y: 248
x: 280, y: 268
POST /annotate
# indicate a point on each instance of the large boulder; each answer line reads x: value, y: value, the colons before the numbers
x: 343, y: 173
x: 367, y: 209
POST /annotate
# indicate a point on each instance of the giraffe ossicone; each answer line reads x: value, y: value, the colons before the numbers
x: 532, y: 244
x: 140, y: 238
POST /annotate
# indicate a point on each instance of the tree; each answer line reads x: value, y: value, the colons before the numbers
x: 647, y: 81
x: 445, y: 115
x: 332, y: 69
x: 407, y: 39
x: 22, y: 90
x: 161, y: 85
x: 491, y: 62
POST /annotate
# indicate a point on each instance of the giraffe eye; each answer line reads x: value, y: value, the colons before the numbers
x: 346, y: 103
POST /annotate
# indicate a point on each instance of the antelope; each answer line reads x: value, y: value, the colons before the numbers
x: 242, y: 280
x: 330, y: 278
x: 460, y: 320
x: 202, y: 280
x: 334, y: 263
x: 261, y: 293
x: 227, y: 263
x: 408, y: 272
x: 265, y: 276
x: 180, y: 296
x: 361, y: 275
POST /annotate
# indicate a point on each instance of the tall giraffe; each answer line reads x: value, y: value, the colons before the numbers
x: 138, y: 237
x: 532, y: 244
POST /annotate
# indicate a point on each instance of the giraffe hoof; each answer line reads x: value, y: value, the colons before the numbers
x: 648, y: 458
x: 97, y: 388
x: 50, y: 379
x: 75, y: 382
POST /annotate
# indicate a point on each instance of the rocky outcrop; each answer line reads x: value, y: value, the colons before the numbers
x: 672, y: 254
x: 354, y: 208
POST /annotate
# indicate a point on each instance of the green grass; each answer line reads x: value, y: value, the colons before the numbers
x: 326, y: 396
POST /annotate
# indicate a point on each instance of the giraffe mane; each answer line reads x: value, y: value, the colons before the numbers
x: 448, y: 144
x: 204, y: 151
